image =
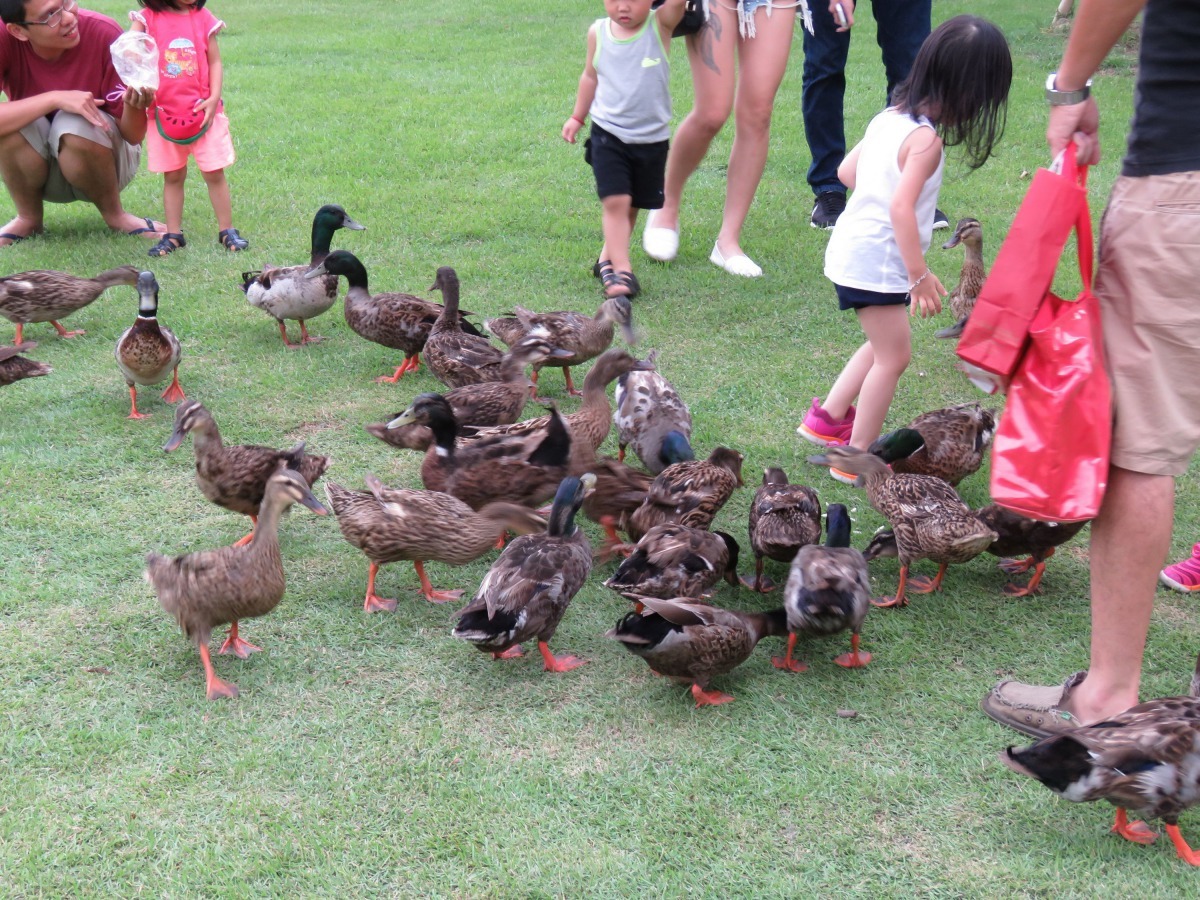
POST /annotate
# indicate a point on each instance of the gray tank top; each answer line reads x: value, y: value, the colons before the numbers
x: 633, y: 93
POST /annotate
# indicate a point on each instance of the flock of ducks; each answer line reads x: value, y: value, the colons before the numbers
x: 485, y: 473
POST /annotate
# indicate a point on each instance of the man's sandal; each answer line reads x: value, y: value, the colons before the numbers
x: 231, y: 240
x: 169, y: 243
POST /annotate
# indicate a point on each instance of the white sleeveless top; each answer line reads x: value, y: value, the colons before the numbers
x: 633, y: 90
x: 862, y: 251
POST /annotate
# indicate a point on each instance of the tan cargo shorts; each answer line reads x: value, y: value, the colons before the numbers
x: 45, y: 136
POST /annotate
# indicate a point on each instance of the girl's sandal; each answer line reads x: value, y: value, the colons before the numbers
x: 231, y: 240
x: 626, y: 280
x: 602, y: 269
x: 169, y: 243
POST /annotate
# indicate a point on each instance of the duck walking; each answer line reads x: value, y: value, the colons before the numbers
x: 146, y: 351
x: 783, y: 518
x: 47, y: 296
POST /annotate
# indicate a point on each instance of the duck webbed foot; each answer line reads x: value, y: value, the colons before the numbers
x: 709, y: 698
x: 235, y: 645
x: 855, y: 659
x: 133, y: 410
x: 513, y: 652
x: 215, y: 688
x: 786, y: 662
x: 919, y: 584
x: 558, y: 663
x: 1182, y: 849
x: 1138, y: 832
x: 427, y: 589
x: 174, y: 393
x: 62, y: 332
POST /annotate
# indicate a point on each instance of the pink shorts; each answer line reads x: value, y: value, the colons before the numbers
x: 213, y: 151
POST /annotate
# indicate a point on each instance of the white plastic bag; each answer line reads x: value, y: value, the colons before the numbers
x: 135, y: 56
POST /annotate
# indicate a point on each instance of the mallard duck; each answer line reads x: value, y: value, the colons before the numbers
x: 400, y: 321
x: 954, y: 441
x: 690, y: 493
x: 929, y: 518
x: 14, y: 367
x: 521, y: 468
x: 1145, y: 760
x: 284, y: 293
x: 828, y: 590
x: 454, y: 356
x: 692, y: 642
x: 652, y: 418
x: 620, y: 489
x: 213, y: 587
x: 969, y: 233
x: 590, y: 425
x: 1017, y: 535
x: 147, y: 351
x: 584, y: 336
x: 527, y: 589
x: 677, y: 561
x: 389, y: 525
x: 783, y: 518
x: 46, y: 296
x: 235, y: 476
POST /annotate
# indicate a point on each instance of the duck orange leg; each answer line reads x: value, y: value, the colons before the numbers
x: 854, y: 659
x: 762, y: 584
x: 20, y: 332
x: 1017, y: 566
x: 1012, y: 589
x: 1138, y: 832
x: 709, y: 698
x: 133, y: 410
x: 427, y: 590
x: 900, y: 599
x: 174, y: 393
x: 409, y: 365
x: 1185, y: 852
x: 919, y: 584
x: 571, y: 392
x: 62, y: 332
x: 306, y: 338
x: 558, y: 663
x: 286, y: 342
x: 215, y: 688
x: 785, y: 662
x: 375, y: 603
x: 533, y: 379
x: 235, y: 645
x: 248, y: 538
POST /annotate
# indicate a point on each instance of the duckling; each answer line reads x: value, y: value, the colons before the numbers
x: 400, y: 321
x: 236, y: 476
x: 47, y: 296
x: 146, y: 351
x: 212, y: 587
x: 14, y: 367
x: 454, y: 356
x: 284, y: 293
x: 526, y: 591
x: 1145, y: 760
x: 828, y: 590
x: 929, y: 518
x: 692, y: 642
x: 389, y: 525
x: 783, y: 518
x: 954, y: 441
x: 651, y: 417
x: 521, y: 468
x: 690, y: 493
x: 969, y: 233
x: 586, y: 337
x: 677, y: 561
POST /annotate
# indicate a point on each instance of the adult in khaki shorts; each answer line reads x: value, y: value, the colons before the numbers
x: 1149, y: 268
x: 69, y: 130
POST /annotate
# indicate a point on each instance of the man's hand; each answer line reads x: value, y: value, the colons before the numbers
x: 138, y: 98
x: 82, y: 104
x: 1079, y: 122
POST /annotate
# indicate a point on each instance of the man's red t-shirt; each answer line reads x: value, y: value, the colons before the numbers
x: 85, y: 67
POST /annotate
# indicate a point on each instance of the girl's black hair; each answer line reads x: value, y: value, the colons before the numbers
x: 960, y: 80
x: 168, y: 5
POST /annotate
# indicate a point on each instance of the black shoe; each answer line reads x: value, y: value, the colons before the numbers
x: 827, y: 208
x: 231, y: 240
x: 940, y: 220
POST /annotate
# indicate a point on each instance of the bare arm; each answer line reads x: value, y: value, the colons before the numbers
x: 847, y: 171
x: 669, y: 15
x: 216, y: 76
x: 16, y: 114
x: 586, y: 93
x: 919, y: 157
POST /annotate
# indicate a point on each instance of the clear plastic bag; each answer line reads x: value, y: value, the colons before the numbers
x: 135, y: 56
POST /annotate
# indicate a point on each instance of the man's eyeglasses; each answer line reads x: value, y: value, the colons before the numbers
x: 55, y: 18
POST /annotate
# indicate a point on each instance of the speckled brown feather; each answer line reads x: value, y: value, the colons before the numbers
x: 783, y: 517
x: 956, y: 441
x: 586, y: 337
x: 674, y: 561
x: 690, y: 493
x: 453, y: 356
x: 15, y: 367
x: 648, y: 407
x: 42, y: 296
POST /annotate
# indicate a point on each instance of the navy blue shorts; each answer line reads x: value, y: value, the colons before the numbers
x: 638, y: 170
x: 857, y: 298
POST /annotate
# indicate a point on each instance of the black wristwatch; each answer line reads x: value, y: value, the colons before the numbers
x: 1055, y: 97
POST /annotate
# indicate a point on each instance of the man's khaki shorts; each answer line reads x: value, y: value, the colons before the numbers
x: 45, y: 136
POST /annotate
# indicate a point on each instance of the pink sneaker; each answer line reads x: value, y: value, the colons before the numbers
x: 1183, y: 575
x: 822, y: 429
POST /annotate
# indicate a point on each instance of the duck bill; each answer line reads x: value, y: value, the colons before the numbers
x: 405, y: 418
x: 314, y: 504
x: 352, y: 225
x: 820, y: 460
x: 953, y: 242
x: 174, y: 440
x: 316, y: 271
x: 560, y: 353
x: 628, y: 335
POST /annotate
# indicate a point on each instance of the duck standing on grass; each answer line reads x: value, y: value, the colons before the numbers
x: 147, y: 351
x: 214, y: 587
x: 527, y: 589
x: 783, y: 518
x: 969, y: 233
x: 652, y: 418
x: 47, y: 296
x: 457, y: 356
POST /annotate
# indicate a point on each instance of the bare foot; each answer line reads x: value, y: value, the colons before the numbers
x: 19, y: 229
x: 136, y: 225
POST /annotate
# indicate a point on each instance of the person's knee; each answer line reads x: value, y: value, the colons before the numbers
x: 176, y: 177
x: 72, y: 147
x: 709, y: 121
x: 754, y: 116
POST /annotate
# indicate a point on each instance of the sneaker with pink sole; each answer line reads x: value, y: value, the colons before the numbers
x: 1183, y: 575
x: 822, y: 429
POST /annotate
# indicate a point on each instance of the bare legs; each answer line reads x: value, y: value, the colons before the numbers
x: 24, y: 173
x: 618, y: 220
x: 872, y: 373
x: 218, y: 195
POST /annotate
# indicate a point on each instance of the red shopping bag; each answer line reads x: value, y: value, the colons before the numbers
x: 1051, y: 451
x: 995, y: 334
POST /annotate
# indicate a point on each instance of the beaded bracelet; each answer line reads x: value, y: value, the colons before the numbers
x: 913, y: 286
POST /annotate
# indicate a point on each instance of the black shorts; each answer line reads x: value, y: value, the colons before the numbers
x: 857, y: 298
x: 638, y: 170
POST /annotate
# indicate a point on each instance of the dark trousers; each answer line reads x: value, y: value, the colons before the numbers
x: 901, y: 26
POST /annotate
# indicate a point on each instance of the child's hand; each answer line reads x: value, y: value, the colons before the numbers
x: 926, y: 297
x: 209, y: 107
x: 570, y: 129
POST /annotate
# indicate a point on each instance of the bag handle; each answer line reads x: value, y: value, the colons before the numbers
x: 1083, y: 224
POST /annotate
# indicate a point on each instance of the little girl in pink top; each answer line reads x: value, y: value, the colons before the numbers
x: 188, y: 118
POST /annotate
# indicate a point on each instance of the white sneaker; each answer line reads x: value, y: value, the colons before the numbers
x: 659, y: 243
x: 735, y: 265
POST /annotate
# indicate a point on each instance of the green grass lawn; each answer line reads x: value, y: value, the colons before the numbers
x: 375, y: 755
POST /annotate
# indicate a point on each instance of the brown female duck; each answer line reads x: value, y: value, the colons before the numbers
x: 783, y: 518
x: 651, y: 417
x: 14, y: 367
x: 215, y: 587
x: 455, y: 356
x: 146, y: 351
x: 47, y: 296
x: 690, y: 493
x: 677, y: 561
x: 392, y: 524
x: 526, y: 591
x: 236, y: 476
x: 969, y: 233
x: 954, y: 441
x: 692, y: 642
x: 584, y: 336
